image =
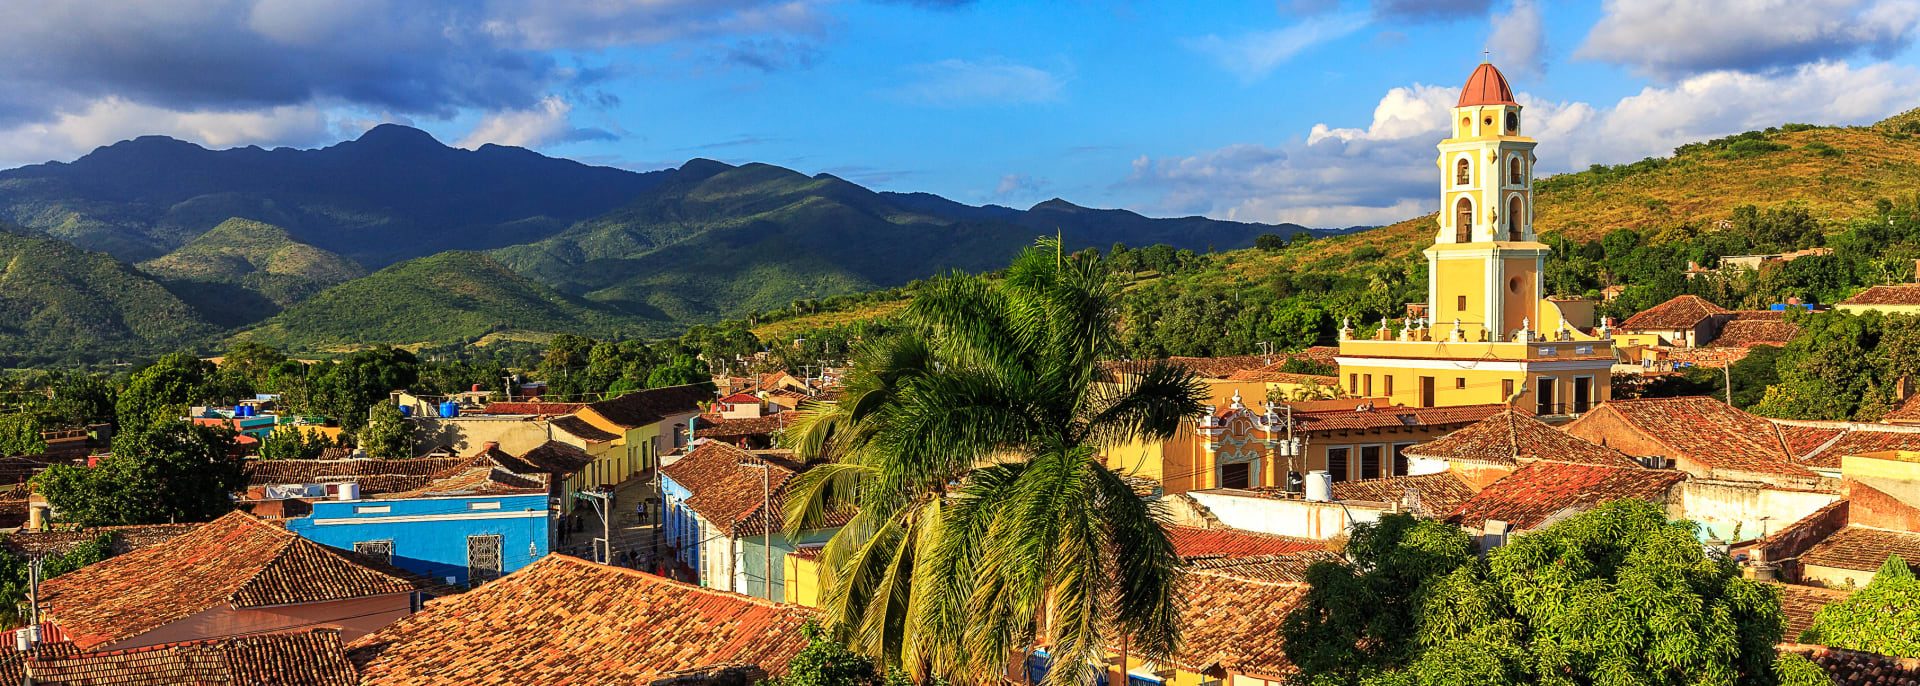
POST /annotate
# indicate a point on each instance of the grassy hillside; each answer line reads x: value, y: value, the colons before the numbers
x: 244, y: 271
x: 446, y: 298
x: 61, y: 303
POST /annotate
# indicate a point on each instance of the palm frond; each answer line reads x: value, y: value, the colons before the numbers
x: 1150, y: 405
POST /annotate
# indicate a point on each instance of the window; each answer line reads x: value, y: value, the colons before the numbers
x: 1582, y: 393
x: 1513, y: 171
x: 1463, y: 172
x: 1337, y: 462
x: 1516, y: 218
x: 1459, y: 382
x: 1387, y: 380
x: 1370, y: 461
x: 1367, y: 385
x: 1037, y: 665
x: 379, y: 550
x: 1400, y: 458
x: 1543, y: 396
x: 1583, y: 350
x: 1547, y: 351
x: 1463, y: 221
x: 1142, y: 680
x: 491, y: 505
x: 1460, y: 303
x: 1353, y: 384
x: 483, y: 558
x: 1236, y: 475
x: 1506, y: 389
x: 1426, y: 391
x: 372, y: 509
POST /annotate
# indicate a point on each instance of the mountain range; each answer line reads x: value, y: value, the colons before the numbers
x: 397, y: 238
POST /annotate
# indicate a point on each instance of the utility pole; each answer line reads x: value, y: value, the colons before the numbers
x: 603, y: 504
x: 766, y: 521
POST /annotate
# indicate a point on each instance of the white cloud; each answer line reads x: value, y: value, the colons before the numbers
x: 1017, y: 186
x: 1673, y: 39
x: 1518, y: 40
x: 112, y: 119
x: 994, y: 80
x: 528, y: 128
x: 1385, y: 172
x: 1254, y: 55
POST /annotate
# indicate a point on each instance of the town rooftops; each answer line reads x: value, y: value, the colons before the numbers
x: 1800, y: 603
x: 741, y: 427
x: 531, y: 408
x: 1897, y: 294
x: 1194, y: 543
x: 1285, y: 568
x: 731, y: 490
x: 563, y: 621
x: 1858, y: 668
x: 1683, y: 312
x: 1704, y: 429
x: 308, y: 658
x: 1746, y: 333
x: 1227, y: 623
x: 1543, y: 492
x: 1511, y: 438
x: 1863, y: 549
x: 374, y: 476
x: 1272, y: 374
x: 1440, y: 493
x: 1852, y: 440
x: 582, y: 429
x: 237, y: 560
x: 123, y: 539
x: 640, y: 408
x: 1393, y: 417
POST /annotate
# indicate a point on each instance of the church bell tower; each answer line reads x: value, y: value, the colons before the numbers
x: 1484, y: 268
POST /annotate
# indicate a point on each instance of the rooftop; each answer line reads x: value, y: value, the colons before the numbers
x: 736, y: 428
x: 1746, y: 333
x: 1537, y: 493
x: 1863, y: 549
x: 1799, y: 604
x: 1683, y: 312
x: 1512, y: 438
x: 1857, y: 440
x: 1284, y: 568
x: 563, y: 621
x: 1395, y: 416
x: 309, y: 658
x: 124, y: 539
x: 730, y: 489
x: 1707, y: 430
x: 531, y: 408
x: 1898, y: 294
x: 640, y: 408
x: 238, y: 560
x: 582, y: 429
x: 1194, y: 543
x: 1858, y: 668
x: 1486, y: 86
x: 374, y: 476
x: 1228, y: 623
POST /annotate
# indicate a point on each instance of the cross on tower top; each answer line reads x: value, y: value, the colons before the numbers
x: 1485, y: 53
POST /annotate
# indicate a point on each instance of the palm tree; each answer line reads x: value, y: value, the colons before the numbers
x: 986, y: 520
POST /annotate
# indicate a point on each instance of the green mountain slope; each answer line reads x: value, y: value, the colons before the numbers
x: 450, y: 297
x: 244, y: 271
x: 61, y: 303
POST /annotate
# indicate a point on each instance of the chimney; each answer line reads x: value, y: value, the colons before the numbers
x: 489, y: 446
x: 476, y: 388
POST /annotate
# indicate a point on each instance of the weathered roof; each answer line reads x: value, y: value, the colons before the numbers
x: 238, y: 560
x: 1513, y: 438
x: 124, y: 539
x: 1859, y: 668
x: 1854, y: 441
x: 1863, y: 549
x: 1897, y: 294
x: 739, y: 427
x: 1272, y: 374
x: 1533, y: 494
x: 563, y: 621
x: 1227, y: 622
x: 557, y: 460
x: 1285, y: 568
x: 1396, y: 416
x: 1800, y: 603
x: 1221, y: 367
x: 531, y: 408
x: 1707, y: 430
x: 1194, y: 543
x: 1683, y: 312
x: 1439, y: 493
x: 641, y: 408
x: 314, y: 657
x: 1746, y: 333
x: 582, y: 429
x: 1486, y: 86
x: 730, y: 489
x: 414, y: 471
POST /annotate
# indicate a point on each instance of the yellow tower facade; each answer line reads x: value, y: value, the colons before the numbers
x: 1490, y: 335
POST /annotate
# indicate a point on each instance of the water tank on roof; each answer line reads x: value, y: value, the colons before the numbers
x: 449, y: 409
x: 349, y: 491
x: 406, y: 410
x: 1319, y: 486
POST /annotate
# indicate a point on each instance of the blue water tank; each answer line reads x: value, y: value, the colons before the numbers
x: 1779, y: 306
x: 449, y: 409
x: 243, y: 411
x: 406, y: 410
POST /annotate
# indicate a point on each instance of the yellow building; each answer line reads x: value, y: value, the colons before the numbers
x: 1493, y: 336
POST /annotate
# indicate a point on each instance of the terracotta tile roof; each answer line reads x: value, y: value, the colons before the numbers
x: 557, y: 460
x: 1858, y: 668
x: 1439, y: 493
x: 1194, y: 543
x: 1802, y: 441
x: 308, y: 658
x: 1272, y: 374
x: 1221, y: 367
x: 747, y: 426
x: 1227, y: 623
x: 732, y: 493
x: 1746, y: 333
x: 641, y: 408
x: 740, y: 399
x: 125, y: 539
x: 1683, y: 312
x: 582, y: 429
x: 531, y: 408
x: 476, y: 480
x: 1533, y: 494
x: 237, y: 560
x: 1863, y: 549
x: 1287, y: 568
x: 1908, y: 409
x: 270, y: 472
x: 1709, y: 431
x: 1800, y: 603
x: 1384, y: 417
x: 1759, y: 315
x: 1512, y: 438
x: 1857, y: 441
x: 563, y: 621
x: 1899, y: 294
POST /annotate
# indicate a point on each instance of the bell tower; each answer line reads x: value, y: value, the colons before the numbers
x: 1485, y: 263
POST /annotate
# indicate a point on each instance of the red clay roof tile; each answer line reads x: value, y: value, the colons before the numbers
x: 1193, y: 543
x: 1863, y: 549
x: 1532, y: 494
x: 1683, y: 312
x: 1709, y: 431
x: 1512, y: 438
x: 308, y: 658
x: 1898, y: 294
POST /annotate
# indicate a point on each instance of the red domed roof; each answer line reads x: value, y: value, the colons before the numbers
x: 1487, y: 86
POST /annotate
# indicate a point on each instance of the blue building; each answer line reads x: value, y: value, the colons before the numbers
x: 723, y: 523
x: 471, y: 525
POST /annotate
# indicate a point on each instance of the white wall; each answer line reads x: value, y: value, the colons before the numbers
x: 1297, y: 518
x: 1756, y: 510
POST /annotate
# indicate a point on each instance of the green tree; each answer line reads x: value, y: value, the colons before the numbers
x: 1269, y: 242
x: 14, y: 582
x: 20, y: 435
x: 167, y: 472
x: 161, y: 392
x: 682, y: 371
x: 827, y: 662
x: 388, y: 436
x: 77, y: 399
x: 971, y: 446
x: 1617, y: 595
x: 1882, y: 617
x: 294, y: 444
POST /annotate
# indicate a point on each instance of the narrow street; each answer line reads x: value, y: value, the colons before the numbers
x: 632, y: 534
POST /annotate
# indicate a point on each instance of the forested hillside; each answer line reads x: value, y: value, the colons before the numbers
x: 243, y: 271
x: 61, y: 304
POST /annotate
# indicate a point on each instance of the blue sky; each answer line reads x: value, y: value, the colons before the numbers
x: 1313, y: 111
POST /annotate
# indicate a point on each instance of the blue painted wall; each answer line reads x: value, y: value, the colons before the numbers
x: 682, y: 532
x: 436, y: 547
